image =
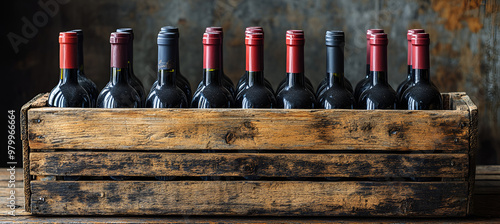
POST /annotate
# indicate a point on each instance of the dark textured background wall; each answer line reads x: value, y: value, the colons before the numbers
x: 464, y: 49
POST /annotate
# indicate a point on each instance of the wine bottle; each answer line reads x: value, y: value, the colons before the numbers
x: 118, y: 93
x: 284, y: 82
x: 181, y: 81
x: 335, y: 94
x: 379, y: 95
x: 166, y: 93
x: 365, y: 83
x: 133, y: 80
x: 295, y: 94
x: 255, y: 94
x: 68, y: 92
x: 85, y: 82
x: 212, y: 93
x: 226, y: 81
x: 421, y: 94
x: 409, y: 77
x: 243, y: 81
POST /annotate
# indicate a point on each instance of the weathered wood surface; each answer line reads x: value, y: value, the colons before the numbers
x: 280, y: 198
x: 89, y: 163
x: 266, y: 129
x: 486, y: 198
x: 460, y: 101
x: 38, y: 101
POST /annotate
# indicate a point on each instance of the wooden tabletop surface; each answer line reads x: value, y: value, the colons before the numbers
x: 486, y: 208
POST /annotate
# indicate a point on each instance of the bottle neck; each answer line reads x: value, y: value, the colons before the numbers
x: 379, y: 77
x: 167, y: 63
x: 255, y: 78
x: 166, y: 77
x: 68, y: 76
x: 254, y: 58
x: 335, y: 79
x: 295, y: 59
x: 212, y: 76
x: 119, y: 76
x: 130, y: 54
x: 335, y: 65
x: 295, y: 79
x: 409, y: 72
x: 421, y: 76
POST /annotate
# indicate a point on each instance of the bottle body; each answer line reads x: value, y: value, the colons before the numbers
x: 68, y: 92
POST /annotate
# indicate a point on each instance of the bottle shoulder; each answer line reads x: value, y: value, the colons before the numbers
x: 118, y: 96
x: 69, y: 96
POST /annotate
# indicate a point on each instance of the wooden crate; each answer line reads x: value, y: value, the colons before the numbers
x: 310, y: 162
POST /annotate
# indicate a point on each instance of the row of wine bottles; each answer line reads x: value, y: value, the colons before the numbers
x: 216, y: 90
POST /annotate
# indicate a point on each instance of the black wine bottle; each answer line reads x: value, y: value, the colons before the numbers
x: 212, y: 93
x: 333, y: 54
x: 226, y: 81
x: 118, y: 93
x: 409, y: 77
x: 365, y: 83
x: 421, y: 94
x: 133, y: 80
x: 335, y: 94
x: 255, y: 94
x: 243, y: 81
x: 379, y: 95
x: 68, y: 92
x: 85, y: 82
x: 166, y: 93
x: 284, y: 82
x: 181, y: 81
x: 295, y: 94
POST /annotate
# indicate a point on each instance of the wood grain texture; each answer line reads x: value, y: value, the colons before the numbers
x: 233, y: 129
x: 72, y: 163
x: 473, y: 145
x: 280, y: 198
x: 38, y: 101
x: 462, y: 102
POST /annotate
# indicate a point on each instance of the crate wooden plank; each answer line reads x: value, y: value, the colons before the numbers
x: 278, y: 198
x: 263, y: 129
x: 248, y: 164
